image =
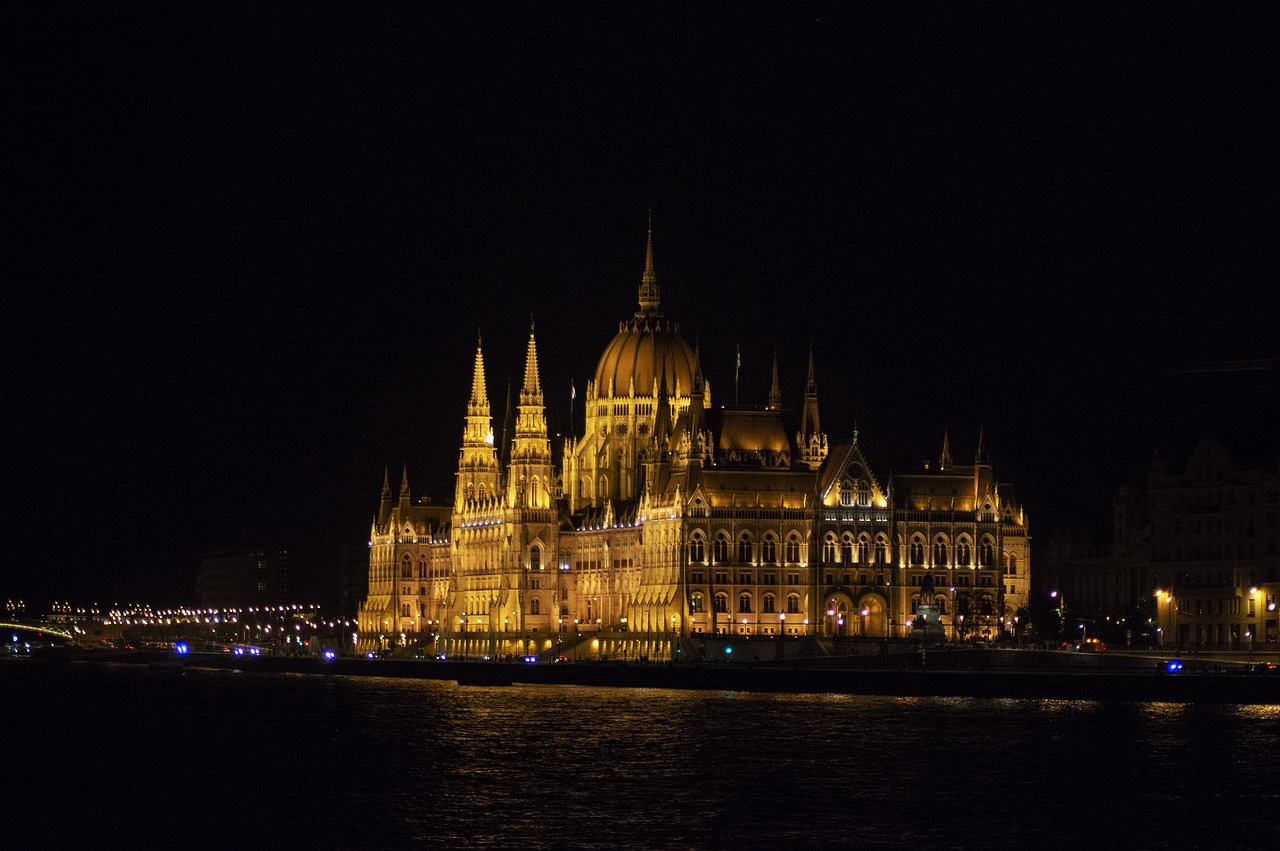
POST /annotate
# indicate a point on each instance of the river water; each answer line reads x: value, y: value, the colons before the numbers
x: 122, y: 756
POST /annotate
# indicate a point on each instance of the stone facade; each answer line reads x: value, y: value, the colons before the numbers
x: 670, y: 521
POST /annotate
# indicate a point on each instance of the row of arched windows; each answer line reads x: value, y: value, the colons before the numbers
x: 849, y: 551
x: 745, y: 549
x: 720, y: 603
x: 424, y: 572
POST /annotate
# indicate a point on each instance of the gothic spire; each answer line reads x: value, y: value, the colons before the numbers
x: 812, y: 442
x: 478, y: 394
x: 944, y: 460
x: 508, y: 429
x: 384, y: 503
x: 532, y: 387
x: 775, y: 392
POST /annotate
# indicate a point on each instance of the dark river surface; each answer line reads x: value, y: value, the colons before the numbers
x: 116, y: 756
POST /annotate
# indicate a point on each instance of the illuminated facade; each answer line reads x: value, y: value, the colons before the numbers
x: 669, y: 520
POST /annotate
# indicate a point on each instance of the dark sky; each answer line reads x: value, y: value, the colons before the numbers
x: 250, y: 246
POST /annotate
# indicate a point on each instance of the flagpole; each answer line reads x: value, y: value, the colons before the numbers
x: 736, y: 366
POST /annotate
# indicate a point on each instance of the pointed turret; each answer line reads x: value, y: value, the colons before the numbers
x: 531, y: 391
x: 529, y: 476
x: 697, y: 403
x: 775, y: 392
x: 384, y: 503
x: 478, y: 470
x: 662, y: 422
x: 944, y: 460
x: 508, y: 429
x: 404, y: 489
x: 479, y: 396
x: 812, y: 442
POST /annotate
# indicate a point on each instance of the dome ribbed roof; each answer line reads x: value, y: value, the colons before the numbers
x: 645, y: 348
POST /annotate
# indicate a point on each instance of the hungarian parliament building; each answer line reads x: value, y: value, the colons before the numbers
x: 672, y: 529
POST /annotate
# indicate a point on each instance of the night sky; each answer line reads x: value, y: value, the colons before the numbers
x: 250, y: 246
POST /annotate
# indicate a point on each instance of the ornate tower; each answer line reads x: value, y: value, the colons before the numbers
x: 530, y: 479
x: 478, y: 472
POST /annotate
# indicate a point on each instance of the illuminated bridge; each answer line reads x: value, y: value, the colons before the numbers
x: 37, y: 628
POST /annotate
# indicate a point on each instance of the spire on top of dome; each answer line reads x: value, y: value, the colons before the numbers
x: 648, y: 281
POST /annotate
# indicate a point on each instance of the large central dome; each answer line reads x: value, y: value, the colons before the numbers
x: 647, y: 347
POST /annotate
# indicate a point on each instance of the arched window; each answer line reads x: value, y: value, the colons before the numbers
x: 768, y: 604
x: 406, y: 568
x: 721, y: 602
x: 986, y: 554
x: 963, y: 554
x: 829, y: 551
x: 917, y: 552
x: 1013, y: 565
x: 422, y: 568
x: 697, y: 550
x: 793, y: 549
x: 882, y: 551
x: 744, y: 603
x: 940, y: 553
x: 696, y: 602
x: 404, y: 610
x: 745, y: 553
x: 864, y: 494
x: 535, y: 606
x: 535, y: 557
x: 721, y: 548
x: 769, y: 549
x: 604, y: 486
x: 793, y: 604
x: 864, y: 548
x: 847, y: 552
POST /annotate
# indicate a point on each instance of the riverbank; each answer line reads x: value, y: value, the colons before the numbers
x: 986, y: 674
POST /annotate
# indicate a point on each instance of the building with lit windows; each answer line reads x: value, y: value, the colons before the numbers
x: 1194, y: 561
x: 1214, y: 552
x: 671, y: 524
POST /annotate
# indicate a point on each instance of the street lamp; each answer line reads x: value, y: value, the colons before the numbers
x: 1160, y: 595
x: 1062, y: 614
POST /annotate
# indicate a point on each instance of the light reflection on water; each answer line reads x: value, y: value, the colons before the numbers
x: 318, y: 762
